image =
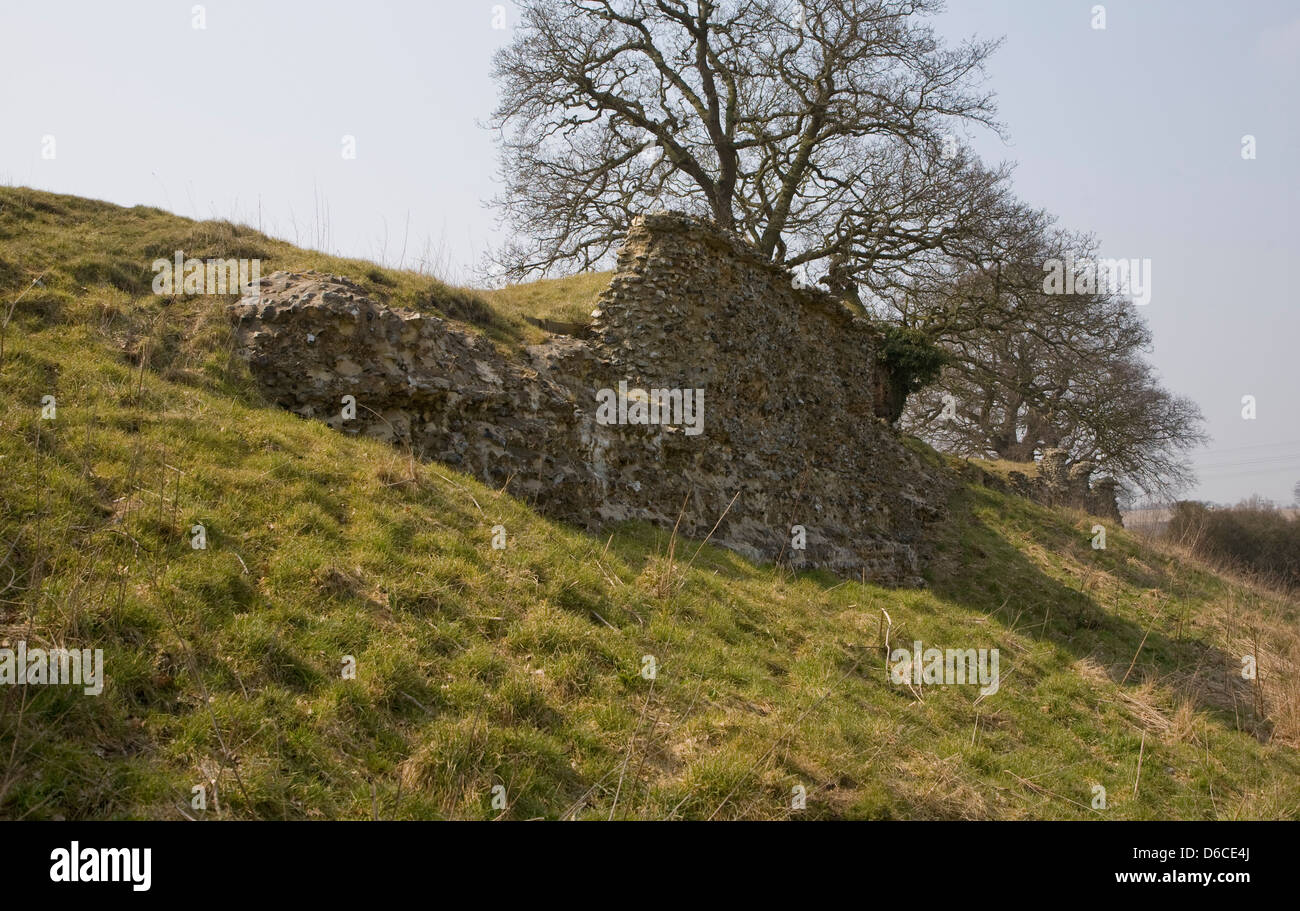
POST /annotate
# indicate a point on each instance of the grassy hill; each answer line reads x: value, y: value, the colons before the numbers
x: 522, y: 668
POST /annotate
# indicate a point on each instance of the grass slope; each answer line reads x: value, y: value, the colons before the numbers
x: 522, y: 668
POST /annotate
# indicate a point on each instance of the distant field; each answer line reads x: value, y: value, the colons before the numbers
x: 1151, y: 521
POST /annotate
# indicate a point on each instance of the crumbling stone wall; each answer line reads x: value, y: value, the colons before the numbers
x: 791, y: 396
x: 1060, y: 482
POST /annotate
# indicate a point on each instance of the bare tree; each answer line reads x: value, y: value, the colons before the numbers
x: 1027, y: 370
x: 814, y: 129
x: 824, y: 132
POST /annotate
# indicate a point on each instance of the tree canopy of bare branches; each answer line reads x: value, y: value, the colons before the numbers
x: 818, y: 130
x: 1027, y: 370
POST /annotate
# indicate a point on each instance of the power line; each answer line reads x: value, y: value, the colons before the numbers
x: 1281, y: 461
x: 1250, y: 472
x: 1216, y: 451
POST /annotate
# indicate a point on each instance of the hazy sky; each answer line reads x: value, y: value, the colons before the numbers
x: 1133, y: 132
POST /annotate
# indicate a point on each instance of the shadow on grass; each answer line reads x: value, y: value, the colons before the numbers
x: 980, y: 570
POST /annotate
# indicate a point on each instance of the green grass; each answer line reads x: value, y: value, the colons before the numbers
x: 562, y: 300
x: 522, y: 668
x: 86, y: 244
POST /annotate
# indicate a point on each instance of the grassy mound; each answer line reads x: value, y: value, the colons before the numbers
x: 514, y: 683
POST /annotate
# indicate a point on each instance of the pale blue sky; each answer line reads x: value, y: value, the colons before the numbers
x: 1133, y: 132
